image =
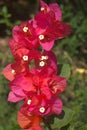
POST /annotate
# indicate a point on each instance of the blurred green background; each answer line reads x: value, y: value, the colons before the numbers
x: 71, y: 50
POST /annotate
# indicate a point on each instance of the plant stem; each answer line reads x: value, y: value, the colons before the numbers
x: 47, y: 123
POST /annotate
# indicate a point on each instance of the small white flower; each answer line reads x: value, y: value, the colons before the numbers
x: 42, y: 63
x: 29, y: 102
x: 25, y: 29
x: 41, y: 37
x: 42, y: 109
x: 44, y: 57
x: 42, y: 9
x: 25, y: 58
x: 13, y: 71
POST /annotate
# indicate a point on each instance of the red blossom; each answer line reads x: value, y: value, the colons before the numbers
x: 40, y: 82
x: 25, y: 35
x: 39, y: 85
x: 58, y: 30
x: 34, y: 33
x: 52, y: 26
x: 46, y: 58
x: 48, y: 14
x: 40, y: 105
x: 28, y: 121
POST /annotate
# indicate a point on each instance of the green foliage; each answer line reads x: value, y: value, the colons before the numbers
x: 6, y: 19
x: 65, y: 71
x: 5, y: 16
x: 61, y: 122
x: 77, y: 18
x: 84, y: 127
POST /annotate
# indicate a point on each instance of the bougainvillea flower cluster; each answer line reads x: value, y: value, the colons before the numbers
x: 33, y: 74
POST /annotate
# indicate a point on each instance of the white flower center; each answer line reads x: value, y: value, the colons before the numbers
x: 42, y: 63
x: 41, y: 37
x: 25, y: 58
x: 29, y: 102
x: 25, y: 29
x: 44, y: 57
x: 42, y: 109
x: 13, y: 71
x: 42, y: 9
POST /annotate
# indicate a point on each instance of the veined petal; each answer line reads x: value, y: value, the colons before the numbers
x: 56, y: 9
x: 57, y: 105
x: 28, y: 121
x: 22, y: 82
x: 58, y: 30
x: 47, y: 45
x: 12, y: 97
x: 24, y: 120
x: 8, y: 73
x: 57, y: 84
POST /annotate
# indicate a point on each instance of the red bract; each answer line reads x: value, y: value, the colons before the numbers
x: 28, y: 121
x: 14, y: 46
x: 19, y: 85
x: 58, y: 30
x: 40, y: 105
x: 53, y: 86
x: 48, y: 14
x: 57, y: 11
x: 16, y: 96
x: 52, y: 26
x: 8, y: 72
x: 27, y: 83
x: 46, y: 58
x: 23, y: 57
x: 25, y: 35
x: 40, y: 82
x: 14, y: 69
x: 57, y: 84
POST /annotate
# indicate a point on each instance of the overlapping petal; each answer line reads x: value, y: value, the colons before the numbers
x: 25, y: 35
x: 28, y: 121
x: 7, y: 72
x: 33, y: 73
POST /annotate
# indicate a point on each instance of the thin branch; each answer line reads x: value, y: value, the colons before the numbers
x: 47, y: 123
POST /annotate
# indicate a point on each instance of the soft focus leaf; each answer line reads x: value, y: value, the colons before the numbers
x: 4, y: 10
x: 68, y: 115
x: 84, y: 127
x: 2, y: 21
x: 1, y: 128
x: 65, y: 71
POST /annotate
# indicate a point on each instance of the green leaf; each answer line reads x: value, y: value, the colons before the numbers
x: 68, y: 115
x: 8, y: 16
x: 2, y: 21
x: 1, y: 128
x: 65, y: 71
x: 4, y: 10
x: 84, y: 127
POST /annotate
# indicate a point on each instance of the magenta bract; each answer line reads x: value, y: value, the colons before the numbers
x: 33, y: 74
